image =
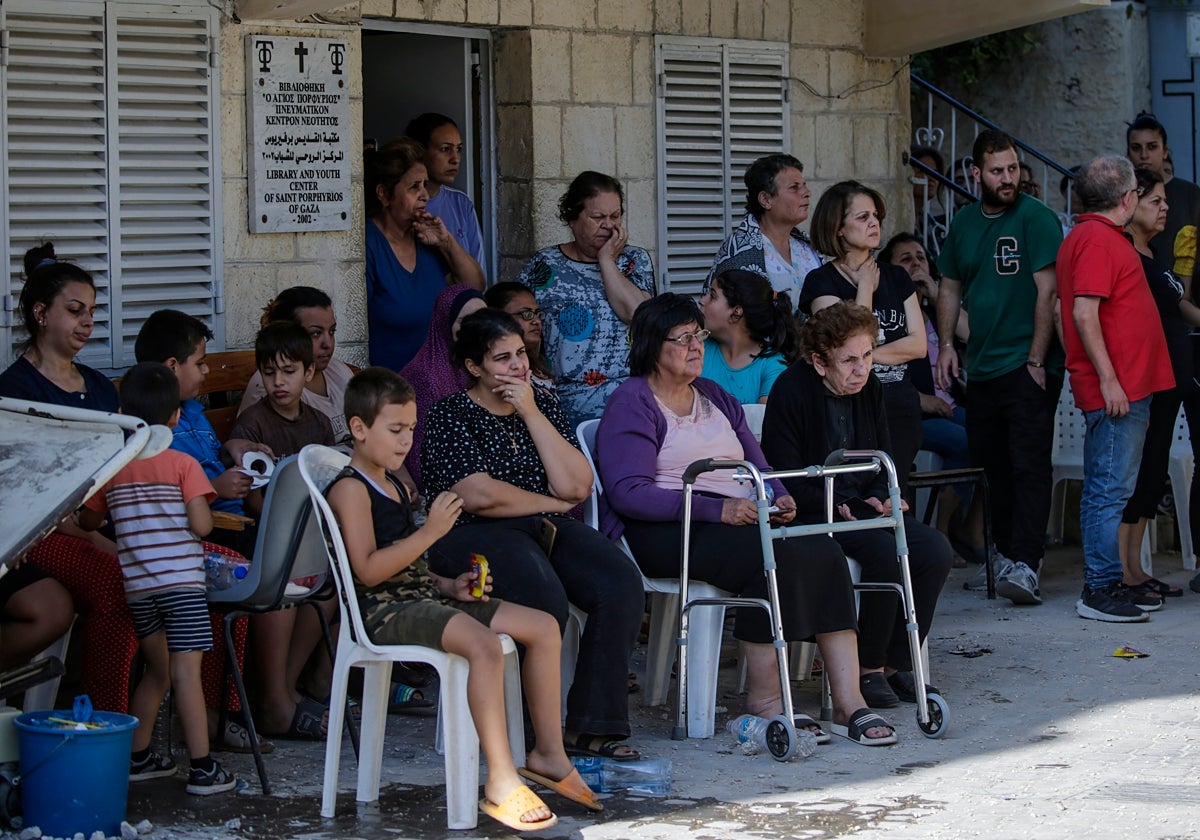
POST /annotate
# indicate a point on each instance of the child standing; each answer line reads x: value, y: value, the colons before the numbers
x: 160, y: 509
x: 404, y: 603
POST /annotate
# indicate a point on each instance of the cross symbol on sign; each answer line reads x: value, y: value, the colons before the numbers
x: 300, y: 52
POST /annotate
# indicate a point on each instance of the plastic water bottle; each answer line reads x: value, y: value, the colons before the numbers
x: 650, y: 776
x: 752, y: 731
x: 222, y: 571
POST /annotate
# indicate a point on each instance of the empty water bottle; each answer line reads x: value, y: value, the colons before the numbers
x: 604, y: 775
x: 222, y: 571
x: 754, y: 733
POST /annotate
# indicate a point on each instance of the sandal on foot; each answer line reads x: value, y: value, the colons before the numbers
x: 876, y: 691
x: 905, y: 686
x: 406, y: 700
x: 598, y: 745
x: 802, y: 721
x: 521, y: 800
x: 571, y: 786
x: 308, y: 722
x: 1158, y: 588
x: 856, y: 729
x: 236, y: 739
x: 634, y: 688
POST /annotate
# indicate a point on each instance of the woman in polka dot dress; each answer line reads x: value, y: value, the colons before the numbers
x: 587, y: 290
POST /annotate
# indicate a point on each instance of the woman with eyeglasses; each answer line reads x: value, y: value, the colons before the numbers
x: 588, y: 289
x: 664, y: 417
x: 517, y: 300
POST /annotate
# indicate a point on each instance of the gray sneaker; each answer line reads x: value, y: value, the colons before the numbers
x: 978, y: 581
x: 1019, y: 584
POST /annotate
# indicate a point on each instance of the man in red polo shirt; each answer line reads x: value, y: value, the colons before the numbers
x: 1116, y: 357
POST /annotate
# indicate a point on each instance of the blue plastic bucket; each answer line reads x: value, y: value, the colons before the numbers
x: 74, y: 780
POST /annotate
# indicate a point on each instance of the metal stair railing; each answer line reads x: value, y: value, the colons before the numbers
x: 957, y: 181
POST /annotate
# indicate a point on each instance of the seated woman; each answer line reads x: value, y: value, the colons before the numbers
x: 752, y: 335
x: 943, y: 419
x: 846, y: 228
x: 432, y: 373
x: 326, y: 391
x: 661, y: 420
x: 833, y: 401
x: 518, y: 301
x: 506, y: 450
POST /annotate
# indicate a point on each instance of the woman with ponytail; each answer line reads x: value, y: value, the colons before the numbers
x: 753, y: 334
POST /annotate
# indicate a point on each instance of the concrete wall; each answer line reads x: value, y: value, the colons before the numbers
x: 575, y: 89
x: 1072, y: 95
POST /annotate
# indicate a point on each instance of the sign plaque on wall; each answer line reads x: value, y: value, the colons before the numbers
x: 298, y: 119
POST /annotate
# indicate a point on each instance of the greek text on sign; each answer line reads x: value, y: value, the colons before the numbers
x: 298, y: 99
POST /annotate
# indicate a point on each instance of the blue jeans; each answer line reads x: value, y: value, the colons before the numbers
x: 1112, y: 450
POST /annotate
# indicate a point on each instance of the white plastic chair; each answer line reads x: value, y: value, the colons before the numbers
x: 43, y: 695
x: 319, y: 465
x: 1066, y: 455
x: 705, y: 624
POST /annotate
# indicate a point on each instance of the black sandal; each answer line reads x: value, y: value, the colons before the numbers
x: 1158, y: 588
x: 600, y: 746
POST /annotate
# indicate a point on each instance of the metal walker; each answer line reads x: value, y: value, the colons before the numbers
x: 932, y: 710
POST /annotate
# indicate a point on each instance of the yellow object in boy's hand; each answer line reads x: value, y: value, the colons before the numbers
x: 479, y: 567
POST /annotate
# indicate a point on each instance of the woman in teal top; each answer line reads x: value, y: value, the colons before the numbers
x: 753, y: 334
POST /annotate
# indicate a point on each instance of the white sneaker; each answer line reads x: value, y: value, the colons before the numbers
x: 1019, y: 584
x: 978, y: 582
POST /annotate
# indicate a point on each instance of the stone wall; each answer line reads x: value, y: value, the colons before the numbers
x: 1072, y: 95
x: 575, y: 89
x: 257, y: 266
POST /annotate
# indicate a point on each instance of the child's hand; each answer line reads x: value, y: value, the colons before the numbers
x: 232, y: 484
x: 443, y: 513
x: 460, y: 587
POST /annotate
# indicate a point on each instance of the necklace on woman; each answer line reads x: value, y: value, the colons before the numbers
x: 509, y: 430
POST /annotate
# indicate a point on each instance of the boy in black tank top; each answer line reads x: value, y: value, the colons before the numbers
x: 404, y: 603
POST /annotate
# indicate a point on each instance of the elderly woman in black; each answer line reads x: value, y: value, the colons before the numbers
x: 832, y: 401
x: 506, y: 449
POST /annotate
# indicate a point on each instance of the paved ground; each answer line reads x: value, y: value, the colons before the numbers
x: 1050, y: 736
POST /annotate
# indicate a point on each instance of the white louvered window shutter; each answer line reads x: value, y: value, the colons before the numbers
x: 109, y: 143
x: 721, y: 104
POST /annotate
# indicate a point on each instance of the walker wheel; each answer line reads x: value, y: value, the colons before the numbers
x: 781, y: 738
x: 939, y: 717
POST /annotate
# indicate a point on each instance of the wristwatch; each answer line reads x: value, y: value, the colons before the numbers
x: 1032, y: 363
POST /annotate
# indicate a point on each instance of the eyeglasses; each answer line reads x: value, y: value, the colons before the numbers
x: 686, y: 339
x: 528, y: 314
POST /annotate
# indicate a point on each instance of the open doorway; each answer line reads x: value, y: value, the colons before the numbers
x: 408, y: 70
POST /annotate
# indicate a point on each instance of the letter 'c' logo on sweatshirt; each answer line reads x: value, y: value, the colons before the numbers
x: 1008, y: 256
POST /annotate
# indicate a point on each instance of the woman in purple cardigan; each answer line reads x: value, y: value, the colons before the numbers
x: 656, y: 424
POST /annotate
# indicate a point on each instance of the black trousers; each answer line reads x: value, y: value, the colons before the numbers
x: 584, y: 569
x: 1010, y: 432
x: 815, y: 594
x: 902, y: 406
x: 882, y: 640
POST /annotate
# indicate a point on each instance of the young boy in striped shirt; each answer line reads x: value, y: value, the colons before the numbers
x: 160, y: 509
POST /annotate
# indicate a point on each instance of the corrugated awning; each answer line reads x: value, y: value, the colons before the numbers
x: 285, y: 9
x: 904, y: 28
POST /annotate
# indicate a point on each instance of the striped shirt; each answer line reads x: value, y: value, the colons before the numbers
x: 148, y: 503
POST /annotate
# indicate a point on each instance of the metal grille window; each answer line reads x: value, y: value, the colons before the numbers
x: 721, y: 105
x: 108, y: 138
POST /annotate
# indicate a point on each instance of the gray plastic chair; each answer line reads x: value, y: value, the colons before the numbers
x: 289, y: 545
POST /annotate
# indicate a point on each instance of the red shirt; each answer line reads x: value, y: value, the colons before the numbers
x: 1096, y: 260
